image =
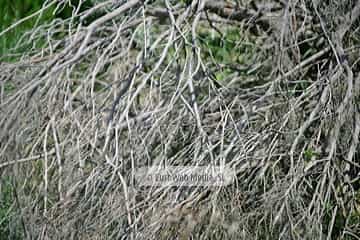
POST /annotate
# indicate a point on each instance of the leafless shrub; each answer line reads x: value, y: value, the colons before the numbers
x: 132, y: 88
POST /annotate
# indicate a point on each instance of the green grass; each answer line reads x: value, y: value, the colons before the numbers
x: 12, y: 11
x: 9, y: 227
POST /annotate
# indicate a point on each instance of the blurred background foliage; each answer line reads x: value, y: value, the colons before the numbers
x: 13, y: 10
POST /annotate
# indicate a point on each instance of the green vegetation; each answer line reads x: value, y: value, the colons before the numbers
x: 308, y: 154
x: 7, y: 228
x: 12, y: 11
x: 9, y: 87
x: 228, y: 48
